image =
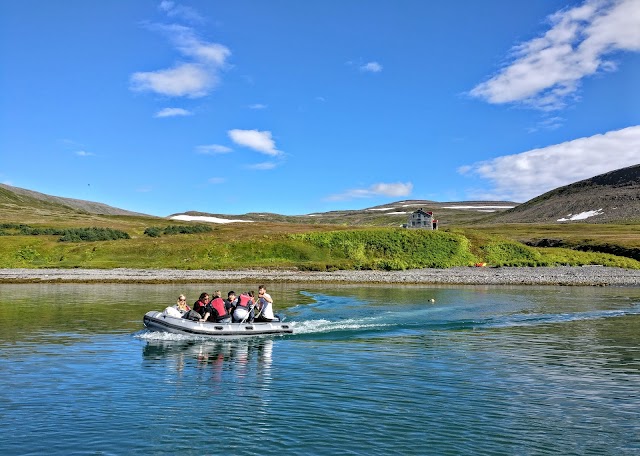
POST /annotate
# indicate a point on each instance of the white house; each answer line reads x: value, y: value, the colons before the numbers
x: 423, y: 220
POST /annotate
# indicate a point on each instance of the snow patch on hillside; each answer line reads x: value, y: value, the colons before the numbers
x: 580, y: 216
x: 203, y: 218
x: 478, y: 208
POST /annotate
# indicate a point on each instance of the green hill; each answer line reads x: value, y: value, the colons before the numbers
x: 39, y: 231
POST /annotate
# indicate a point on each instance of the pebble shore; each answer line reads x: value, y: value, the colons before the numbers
x: 570, y: 276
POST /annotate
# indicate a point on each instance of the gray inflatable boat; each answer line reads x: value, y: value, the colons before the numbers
x: 159, y: 321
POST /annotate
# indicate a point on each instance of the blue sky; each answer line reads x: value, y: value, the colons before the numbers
x: 295, y: 107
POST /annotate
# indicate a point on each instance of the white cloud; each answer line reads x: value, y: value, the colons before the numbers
x: 263, y: 166
x: 260, y: 141
x: 84, y: 153
x: 217, y: 180
x: 529, y: 174
x: 193, y: 78
x: 172, y: 112
x: 258, y: 106
x: 371, y: 67
x: 213, y: 149
x: 381, y: 189
x: 545, y: 71
x: 184, y: 12
x: 189, y: 79
x: 548, y: 123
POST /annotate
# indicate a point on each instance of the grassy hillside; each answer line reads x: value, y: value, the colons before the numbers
x: 275, y: 246
x: 306, y: 243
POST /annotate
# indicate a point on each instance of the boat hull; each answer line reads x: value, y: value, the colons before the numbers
x: 159, y: 321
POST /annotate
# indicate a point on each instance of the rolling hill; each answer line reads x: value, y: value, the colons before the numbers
x: 28, y: 198
x: 613, y: 197
x: 392, y: 214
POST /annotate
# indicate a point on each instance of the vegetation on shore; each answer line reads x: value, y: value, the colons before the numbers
x: 33, y: 228
x: 278, y: 246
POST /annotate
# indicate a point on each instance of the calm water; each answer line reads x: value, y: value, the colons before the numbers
x: 371, y: 370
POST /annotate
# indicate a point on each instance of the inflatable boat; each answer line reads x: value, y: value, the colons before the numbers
x: 160, y: 321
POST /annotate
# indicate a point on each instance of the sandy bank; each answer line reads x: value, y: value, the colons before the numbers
x: 588, y: 275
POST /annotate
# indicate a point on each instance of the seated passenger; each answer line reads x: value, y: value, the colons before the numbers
x: 216, y: 310
x: 181, y: 306
x: 244, y: 309
x: 265, y: 306
x: 201, y: 304
x: 230, y: 302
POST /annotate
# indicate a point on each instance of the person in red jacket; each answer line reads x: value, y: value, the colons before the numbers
x: 201, y: 304
x: 244, y: 308
x: 216, y: 310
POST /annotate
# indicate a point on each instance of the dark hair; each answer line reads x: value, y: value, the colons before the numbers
x: 203, y: 295
x: 231, y: 293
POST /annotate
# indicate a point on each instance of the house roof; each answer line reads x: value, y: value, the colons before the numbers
x: 420, y: 211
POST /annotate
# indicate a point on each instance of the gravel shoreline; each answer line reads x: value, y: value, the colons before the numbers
x: 562, y: 275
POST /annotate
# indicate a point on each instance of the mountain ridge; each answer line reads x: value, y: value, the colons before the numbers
x: 612, y: 197
x: 606, y: 198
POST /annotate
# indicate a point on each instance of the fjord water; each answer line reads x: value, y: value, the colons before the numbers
x: 370, y: 370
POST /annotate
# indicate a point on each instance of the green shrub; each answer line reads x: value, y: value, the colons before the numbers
x: 92, y: 234
x: 392, y: 249
x: 153, y: 231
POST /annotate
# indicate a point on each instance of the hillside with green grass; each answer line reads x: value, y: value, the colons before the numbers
x: 38, y: 233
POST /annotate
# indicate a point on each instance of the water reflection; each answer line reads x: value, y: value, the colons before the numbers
x: 218, y: 364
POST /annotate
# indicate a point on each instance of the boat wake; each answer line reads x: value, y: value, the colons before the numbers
x: 433, y: 319
x: 325, y: 326
x: 438, y: 319
x: 517, y: 320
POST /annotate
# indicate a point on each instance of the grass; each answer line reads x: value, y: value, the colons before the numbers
x: 306, y: 247
x: 307, y: 244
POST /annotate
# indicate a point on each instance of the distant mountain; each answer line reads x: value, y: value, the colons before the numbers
x: 15, y: 196
x: 612, y: 197
x: 391, y: 214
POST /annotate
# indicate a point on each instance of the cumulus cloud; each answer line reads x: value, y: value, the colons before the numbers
x: 213, y: 149
x: 544, y: 72
x: 381, y: 189
x: 173, y: 112
x: 196, y: 76
x: 371, y: 67
x: 260, y: 141
x: 529, y: 174
x: 190, y: 80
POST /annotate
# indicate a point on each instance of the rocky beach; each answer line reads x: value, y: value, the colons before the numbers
x: 569, y: 276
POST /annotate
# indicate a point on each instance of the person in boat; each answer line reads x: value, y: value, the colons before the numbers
x: 244, y: 308
x: 216, y: 311
x: 230, y: 302
x: 265, y: 305
x: 201, y: 304
x: 181, y: 306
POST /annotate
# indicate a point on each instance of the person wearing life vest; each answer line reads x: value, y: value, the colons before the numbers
x: 216, y: 310
x: 244, y: 308
x: 201, y: 304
